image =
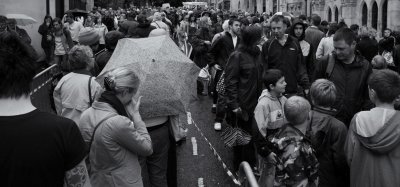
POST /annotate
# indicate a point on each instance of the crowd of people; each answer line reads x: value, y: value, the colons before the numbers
x: 319, y: 99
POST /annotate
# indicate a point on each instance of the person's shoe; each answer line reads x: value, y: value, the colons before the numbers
x: 217, y: 126
x: 214, y: 109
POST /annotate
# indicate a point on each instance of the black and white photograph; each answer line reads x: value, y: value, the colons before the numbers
x: 200, y: 93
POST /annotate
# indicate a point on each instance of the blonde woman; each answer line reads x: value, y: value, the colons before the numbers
x: 115, y: 132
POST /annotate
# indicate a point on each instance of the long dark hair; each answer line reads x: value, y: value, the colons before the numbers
x: 51, y: 21
x: 251, y: 35
x: 190, y: 17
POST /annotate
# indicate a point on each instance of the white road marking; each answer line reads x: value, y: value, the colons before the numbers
x: 189, y: 118
x: 194, y: 143
x: 200, y: 182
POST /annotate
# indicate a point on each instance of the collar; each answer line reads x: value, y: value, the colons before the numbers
x: 83, y: 71
x: 358, y: 60
x: 331, y: 112
x: 103, y: 106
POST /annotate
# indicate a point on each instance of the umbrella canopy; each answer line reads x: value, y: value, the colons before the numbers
x: 21, y: 19
x: 168, y: 76
x: 77, y: 12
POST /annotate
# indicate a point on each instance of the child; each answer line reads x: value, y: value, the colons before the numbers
x: 295, y: 162
x: 372, y: 145
x: 268, y: 115
x: 328, y: 135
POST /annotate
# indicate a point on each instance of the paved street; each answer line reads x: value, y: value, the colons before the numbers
x: 203, y: 168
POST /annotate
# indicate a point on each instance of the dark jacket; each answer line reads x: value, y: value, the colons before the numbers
x: 222, y: 49
x: 23, y: 35
x: 45, y: 31
x: 126, y: 25
x: 101, y: 61
x: 351, y: 85
x: 200, y: 49
x: 313, y: 36
x: 141, y: 31
x: 289, y: 59
x: 396, y: 57
x: 328, y: 137
x: 243, y: 74
x: 367, y: 47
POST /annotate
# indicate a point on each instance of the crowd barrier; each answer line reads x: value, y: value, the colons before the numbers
x: 41, y: 89
x: 246, y: 175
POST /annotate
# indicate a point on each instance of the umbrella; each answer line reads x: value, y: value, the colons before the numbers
x: 168, y: 76
x: 21, y: 19
x: 77, y: 12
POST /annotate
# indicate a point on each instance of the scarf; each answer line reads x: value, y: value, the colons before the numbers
x: 110, y: 98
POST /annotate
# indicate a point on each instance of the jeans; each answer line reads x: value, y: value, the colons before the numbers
x: 154, y: 167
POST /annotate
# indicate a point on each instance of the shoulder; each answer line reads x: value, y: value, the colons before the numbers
x: 118, y: 122
x: 337, y: 125
x: 55, y: 124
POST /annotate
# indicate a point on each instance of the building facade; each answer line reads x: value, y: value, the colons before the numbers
x: 378, y: 14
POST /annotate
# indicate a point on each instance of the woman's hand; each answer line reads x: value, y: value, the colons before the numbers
x: 136, y: 105
x: 133, y: 109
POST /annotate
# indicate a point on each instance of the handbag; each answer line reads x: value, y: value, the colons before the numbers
x: 235, y: 136
x: 178, y: 129
x: 221, y: 84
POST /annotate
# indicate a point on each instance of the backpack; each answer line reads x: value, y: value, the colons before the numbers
x: 296, y: 158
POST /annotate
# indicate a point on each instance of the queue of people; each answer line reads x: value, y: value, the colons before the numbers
x: 319, y: 103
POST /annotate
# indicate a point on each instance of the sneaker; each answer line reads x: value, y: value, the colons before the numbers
x: 217, y: 126
x: 214, y: 109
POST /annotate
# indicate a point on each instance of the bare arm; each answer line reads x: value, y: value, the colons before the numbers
x: 77, y: 176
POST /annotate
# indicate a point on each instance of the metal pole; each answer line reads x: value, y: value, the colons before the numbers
x: 246, y: 175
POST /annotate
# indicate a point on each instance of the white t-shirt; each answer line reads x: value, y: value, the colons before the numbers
x: 59, y: 47
x: 74, y: 28
x: 234, y: 39
x: 102, y: 31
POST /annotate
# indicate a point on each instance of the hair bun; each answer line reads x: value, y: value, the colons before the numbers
x: 109, y: 83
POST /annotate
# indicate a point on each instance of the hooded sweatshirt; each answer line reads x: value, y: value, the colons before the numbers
x: 372, y: 148
x: 269, y: 112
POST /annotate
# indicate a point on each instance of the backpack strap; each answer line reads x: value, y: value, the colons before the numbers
x: 330, y: 66
x: 90, y: 91
x: 94, y: 131
x: 157, y: 24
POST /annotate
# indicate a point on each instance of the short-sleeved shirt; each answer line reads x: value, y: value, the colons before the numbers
x: 37, y: 148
